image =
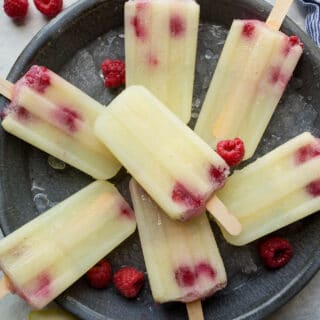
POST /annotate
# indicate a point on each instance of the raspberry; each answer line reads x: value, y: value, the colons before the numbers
x: 275, y: 252
x: 16, y: 9
x: 232, y: 151
x: 248, y: 29
x: 295, y: 41
x: 49, y: 8
x: 128, y: 281
x: 100, y: 275
x: 114, y: 73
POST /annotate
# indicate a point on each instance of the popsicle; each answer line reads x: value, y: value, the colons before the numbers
x: 177, y: 169
x: 44, y: 257
x: 254, y: 68
x: 182, y: 258
x: 279, y: 188
x: 56, y: 117
x: 160, y: 44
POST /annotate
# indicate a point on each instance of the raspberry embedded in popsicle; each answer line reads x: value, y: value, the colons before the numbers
x: 177, y: 26
x: 194, y: 203
x: 67, y: 118
x: 248, y: 29
x: 139, y: 28
x: 313, y: 188
x: 126, y: 211
x: 291, y: 42
x: 43, y: 285
x: 205, y: 269
x: 278, y: 77
x: 37, y: 78
x: 307, y: 152
x: 185, y: 276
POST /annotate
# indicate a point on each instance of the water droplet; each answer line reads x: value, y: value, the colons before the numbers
x: 41, y: 201
x: 309, y: 98
x: 56, y: 163
x: 196, y: 103
x: 121, y: 35
x: 194, y: 115
x: 35, y: 187
x: 209, y: 54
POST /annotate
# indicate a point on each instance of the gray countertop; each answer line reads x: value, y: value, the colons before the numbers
x: 304, y: 306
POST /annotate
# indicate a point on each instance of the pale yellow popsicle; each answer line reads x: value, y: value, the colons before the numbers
x: 182, y: 259
x: 277, y: 189
x: 177, y: 169
x: 48, y: 254
x: 252, y: 73
x: 56, y: 117
x: 160, y: 44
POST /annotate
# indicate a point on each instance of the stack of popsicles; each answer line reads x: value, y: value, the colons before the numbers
x: 176, y: 173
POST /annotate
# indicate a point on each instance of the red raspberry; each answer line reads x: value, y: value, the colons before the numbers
x: 295, y: 41
x: 49, y: 8
x: 16, y: 9
x: 100, y: 275
x: 114, y: 72
x: 275, y: 252
x: 232, y: 151
x: 128, y: 281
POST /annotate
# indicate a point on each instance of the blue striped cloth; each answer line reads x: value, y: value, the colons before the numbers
x: 313, y: 19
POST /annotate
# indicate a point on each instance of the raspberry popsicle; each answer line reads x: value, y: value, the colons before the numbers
x: 177, y: 169
x: 182, y: 258
x: 56, y: 117
x: 252, y: 73
x: 160, y: 43
x: 44, y: 257
x: 278, y: 189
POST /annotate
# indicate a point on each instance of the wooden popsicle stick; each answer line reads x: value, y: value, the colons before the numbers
x: 4, y: 287
x: 278, y: 14
x: 6, y: 88
x: 194, y: 309
x: 221, y: 213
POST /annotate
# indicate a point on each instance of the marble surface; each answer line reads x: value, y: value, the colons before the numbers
x: 13, y: 38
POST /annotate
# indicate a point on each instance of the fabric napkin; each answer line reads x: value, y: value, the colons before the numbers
x: 313, y: 19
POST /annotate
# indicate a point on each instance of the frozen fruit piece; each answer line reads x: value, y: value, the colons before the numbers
x: 114, y: 73
x: 182, y: 258
x: 128, y: 281
x: 275, y: 252
x: 177, y: 169
x: 277, y: 189
x: 49, y: 8
x: 232, y: 151
x: 37, y: 78
x: 160, y: 45
x: 16, y: 9
x: 100, y: 275
x: 252, y: 73
x: 48, y: 254
x: 56, y: 117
